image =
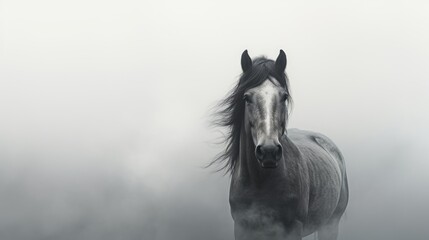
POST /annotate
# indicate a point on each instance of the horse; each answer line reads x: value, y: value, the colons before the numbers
x: 285, y: 183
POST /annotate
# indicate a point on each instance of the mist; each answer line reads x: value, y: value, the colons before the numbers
x: 105, y: 111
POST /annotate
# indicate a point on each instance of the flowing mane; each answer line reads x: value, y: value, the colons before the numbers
x: 231, y: 109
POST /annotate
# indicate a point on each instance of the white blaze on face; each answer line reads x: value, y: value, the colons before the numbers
x: 267, y: 91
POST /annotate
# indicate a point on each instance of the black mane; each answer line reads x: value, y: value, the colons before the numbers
x: 231, y: 111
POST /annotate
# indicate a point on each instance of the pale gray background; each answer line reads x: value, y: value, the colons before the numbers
x: 104, y: 110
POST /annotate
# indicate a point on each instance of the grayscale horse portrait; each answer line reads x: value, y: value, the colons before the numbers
x: 285, y: 183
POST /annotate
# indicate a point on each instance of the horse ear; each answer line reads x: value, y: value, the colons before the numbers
x: 281, y: 61
x: 246, y: 61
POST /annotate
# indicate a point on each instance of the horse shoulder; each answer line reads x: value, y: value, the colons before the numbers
x: 309, y: 141
x: 326, y: 168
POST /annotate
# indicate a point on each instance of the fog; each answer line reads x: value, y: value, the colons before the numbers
x: 105, y: 109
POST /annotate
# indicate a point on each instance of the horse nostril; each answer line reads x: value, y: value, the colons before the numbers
x: 259, y: 152
x: 278, y: 152
x: 268, y: 152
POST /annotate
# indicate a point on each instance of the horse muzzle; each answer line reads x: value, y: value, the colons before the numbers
x: 269, y: 155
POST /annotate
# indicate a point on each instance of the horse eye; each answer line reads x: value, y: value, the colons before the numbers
x: 284, y: 97
x: 246, y: 98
